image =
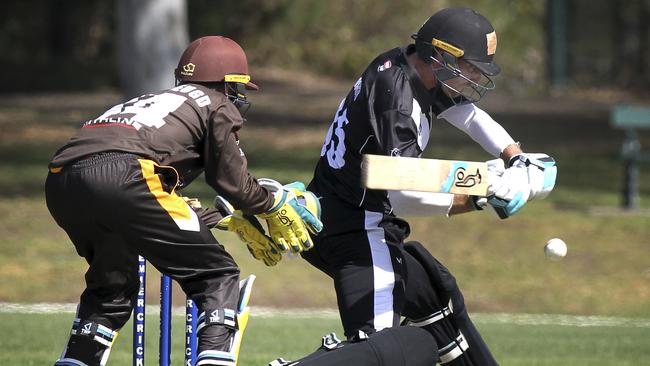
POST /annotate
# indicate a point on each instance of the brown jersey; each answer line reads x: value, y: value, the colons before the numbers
x: 190, y: 127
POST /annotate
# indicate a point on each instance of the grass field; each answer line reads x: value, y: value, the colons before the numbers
x: 515, y: 340
x: 498, y: 264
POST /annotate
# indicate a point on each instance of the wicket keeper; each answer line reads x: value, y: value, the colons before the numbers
x: 114, y: 189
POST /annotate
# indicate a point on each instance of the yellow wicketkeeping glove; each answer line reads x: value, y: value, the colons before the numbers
x: 294, y: 214
x: 249, y: 230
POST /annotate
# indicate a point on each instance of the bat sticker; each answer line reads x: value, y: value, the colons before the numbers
x: 469, y: 180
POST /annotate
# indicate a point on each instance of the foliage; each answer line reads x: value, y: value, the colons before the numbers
x: 340, y: 38
x: 71, y: 45
x: 50, y: 49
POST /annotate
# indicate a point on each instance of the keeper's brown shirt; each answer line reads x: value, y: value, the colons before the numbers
x: 190, y: 127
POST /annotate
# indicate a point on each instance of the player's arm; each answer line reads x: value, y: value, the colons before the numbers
x: 525, y: 176
x: 510, y: 151
x: 223, y: 216
x: 482, y: 128
x: 462, y: 203
x: 226, y: 167
x: 226, y: 171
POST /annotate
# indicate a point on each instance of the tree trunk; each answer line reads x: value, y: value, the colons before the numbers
x: 152, y: 34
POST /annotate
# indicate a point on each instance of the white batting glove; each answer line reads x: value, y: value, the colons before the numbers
x: 512, y: 183
x: 542, y: 172
x: 496, y: 168
x: 508, y: 189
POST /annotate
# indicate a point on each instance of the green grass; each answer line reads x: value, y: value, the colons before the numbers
x: 37, y: 339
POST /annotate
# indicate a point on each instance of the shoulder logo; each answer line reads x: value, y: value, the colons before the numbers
x: 385, y: 66
x: 188, y: 69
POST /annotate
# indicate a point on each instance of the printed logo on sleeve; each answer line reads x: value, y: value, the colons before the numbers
x: 387, y: 65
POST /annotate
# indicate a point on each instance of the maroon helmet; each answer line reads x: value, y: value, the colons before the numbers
x: 214, y: 59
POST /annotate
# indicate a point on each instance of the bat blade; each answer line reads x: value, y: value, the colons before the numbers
x: 427, y: 175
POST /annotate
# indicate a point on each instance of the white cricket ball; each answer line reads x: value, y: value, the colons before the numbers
x: 555, y: 249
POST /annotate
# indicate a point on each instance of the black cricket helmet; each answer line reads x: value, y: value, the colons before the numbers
x: 459, y: 34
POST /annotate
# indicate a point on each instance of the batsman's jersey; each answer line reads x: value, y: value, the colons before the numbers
x: 387, y: 112
x: 191, y: 128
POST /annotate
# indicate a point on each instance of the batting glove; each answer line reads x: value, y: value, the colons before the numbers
x: 508, y: 188
x: 542, y: 173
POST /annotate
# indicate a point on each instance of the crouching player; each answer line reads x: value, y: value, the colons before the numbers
x: 114, y: 189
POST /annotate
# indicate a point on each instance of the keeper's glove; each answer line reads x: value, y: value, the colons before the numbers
x: 294, y: 214
x: 249, y: 230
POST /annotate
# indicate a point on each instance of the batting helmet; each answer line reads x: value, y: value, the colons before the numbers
x: 214, y: 59
x: 462, y: 33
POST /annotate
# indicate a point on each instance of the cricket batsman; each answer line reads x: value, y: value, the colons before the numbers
x: 114, y: 189
x: 392, y: 109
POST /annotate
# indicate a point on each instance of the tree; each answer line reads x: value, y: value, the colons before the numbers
x: 151, y: 35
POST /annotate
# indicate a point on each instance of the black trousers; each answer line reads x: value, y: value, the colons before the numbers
x: 378, y: 279
x: 114, y: 206
x: 399, y: 346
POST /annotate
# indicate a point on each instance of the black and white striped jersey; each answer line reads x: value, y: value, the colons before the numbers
x: 388, y: 111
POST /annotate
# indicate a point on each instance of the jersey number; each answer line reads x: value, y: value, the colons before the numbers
x: 334, y: 146
x: 148, y: 110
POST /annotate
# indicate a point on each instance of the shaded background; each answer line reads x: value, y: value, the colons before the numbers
x: 73, y: 45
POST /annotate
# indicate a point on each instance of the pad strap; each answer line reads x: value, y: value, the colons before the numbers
x: 68, y: 362
x: 430, y: 319
x: 96, y: 331
x: 454, y: 349
x: 437, y: 316
x: 224, y: 317
x: 219, y: 358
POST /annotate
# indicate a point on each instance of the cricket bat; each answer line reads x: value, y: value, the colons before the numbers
x: 428, y: 175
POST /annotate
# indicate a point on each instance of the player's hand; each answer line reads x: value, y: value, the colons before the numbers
x: 294, y: 214
x: 503, y: 207
x: 542, y: 172
x: 209, y: 215
x: 249, y: 230
x: 510, y: 190
x: 194, y: 203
